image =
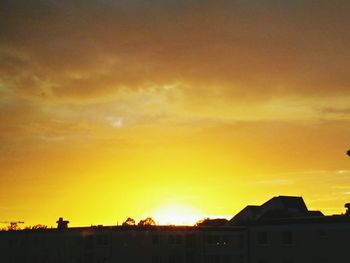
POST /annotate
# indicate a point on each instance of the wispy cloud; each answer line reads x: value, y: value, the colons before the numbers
x: 116, y: 122
x: 274, y: 182
x: 336, y: 111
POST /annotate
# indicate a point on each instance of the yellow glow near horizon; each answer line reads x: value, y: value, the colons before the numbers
x: 174, y: 214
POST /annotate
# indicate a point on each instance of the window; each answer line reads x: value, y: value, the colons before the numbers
x: 214, y: 259
x: 241, y: 241
x: 171, y: 239
x: 102, y: 240
x: 178, y: 239
x: 89, y: 258
x: 176, y: 258
x: 210, y: 239
x: 11, y: 242
x: 43, y: 259
x: 175, y: 239
x: 287, y: 238
x: 262, y: 238
x: 19, y: 259
x: 156, y: 259
x: 36, y: 241
x: 23, y: 242
x: 155, y: 239
x: 106, y: 240
x: 89, y: 242
x: 79, y: 240
x: 226, y: 240
x: 190, y: 257
x: 323, y: 233
x: 213, y: 239
x: 226, y: 259
x: 190, y: 240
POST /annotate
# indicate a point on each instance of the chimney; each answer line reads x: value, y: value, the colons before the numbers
x: 62, y: 224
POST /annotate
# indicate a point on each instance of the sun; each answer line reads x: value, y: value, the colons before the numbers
x: 175, y: 214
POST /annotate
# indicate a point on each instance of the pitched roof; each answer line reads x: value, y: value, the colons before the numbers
x: 288, y: 202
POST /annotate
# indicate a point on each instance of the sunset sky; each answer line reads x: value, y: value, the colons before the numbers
x: 176, y: 109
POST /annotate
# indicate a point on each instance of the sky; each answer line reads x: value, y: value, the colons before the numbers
x: 178, y: 110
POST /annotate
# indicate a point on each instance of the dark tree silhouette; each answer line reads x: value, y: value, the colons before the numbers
x: 13, y: 226
x: 200, y: 222
x: 129, y: 222
x: 149, y: 221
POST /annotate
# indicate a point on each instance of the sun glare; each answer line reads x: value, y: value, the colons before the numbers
x: 176, y: 215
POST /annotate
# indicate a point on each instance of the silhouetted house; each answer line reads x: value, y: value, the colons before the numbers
x: 249, y: 214
x: 291, y: 205
x: 276, y: 207
x: 282, y: 230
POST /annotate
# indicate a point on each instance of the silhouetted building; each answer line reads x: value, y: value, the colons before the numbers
x: 279, y: 206
x: 149, y: 244
x: 306, y: 239
x: 282, y: 230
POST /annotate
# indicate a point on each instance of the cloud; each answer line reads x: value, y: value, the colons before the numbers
x: 116, y: 122
x: 66, y: 67
x: 341, y: 111
x: 238, y: 49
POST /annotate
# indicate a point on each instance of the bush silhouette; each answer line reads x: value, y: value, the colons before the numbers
x: 149, y: 221
x: 129, y: 222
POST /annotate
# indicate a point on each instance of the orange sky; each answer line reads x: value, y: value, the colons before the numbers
x: 110, y: 109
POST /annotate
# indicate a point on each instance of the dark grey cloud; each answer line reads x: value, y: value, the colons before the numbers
x: 251, y: 48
